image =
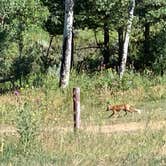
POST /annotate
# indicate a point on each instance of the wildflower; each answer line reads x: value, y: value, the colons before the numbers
x: 16, y: 93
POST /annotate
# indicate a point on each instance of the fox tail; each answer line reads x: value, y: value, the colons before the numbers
x: 138, y: 110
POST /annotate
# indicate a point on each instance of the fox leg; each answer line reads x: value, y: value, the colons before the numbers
x: 128, y: 110
x: 125, y: 113
x: 113, y: 112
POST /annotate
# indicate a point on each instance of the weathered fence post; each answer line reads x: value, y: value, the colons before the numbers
x: 76, y: 107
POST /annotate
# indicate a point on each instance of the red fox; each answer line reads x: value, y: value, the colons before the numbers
x: 122, y: 107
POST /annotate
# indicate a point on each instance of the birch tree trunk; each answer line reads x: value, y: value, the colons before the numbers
x: 67, y: 44
x: 126, y: 40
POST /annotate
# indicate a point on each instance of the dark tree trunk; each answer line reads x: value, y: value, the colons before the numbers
x: 120, y: 43
x: 106, y: 53
x: 146, y: 43
x: 50, y: 43
x: 20, y: 49
x: 72, y: 52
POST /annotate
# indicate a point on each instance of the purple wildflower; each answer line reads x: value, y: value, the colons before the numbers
x: 16, y: 93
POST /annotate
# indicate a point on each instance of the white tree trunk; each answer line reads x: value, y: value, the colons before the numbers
x: 127, y: 37
x: 67, y: 44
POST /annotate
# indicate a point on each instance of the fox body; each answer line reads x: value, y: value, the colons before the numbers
x: 123, y: 107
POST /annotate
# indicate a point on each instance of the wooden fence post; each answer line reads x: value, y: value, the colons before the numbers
x: 76, y: 107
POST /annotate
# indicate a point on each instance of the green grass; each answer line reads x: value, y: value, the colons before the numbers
x: 48, y: 107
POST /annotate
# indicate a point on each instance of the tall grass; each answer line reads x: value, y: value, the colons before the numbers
x: 141, y: 148
x: 43, y: 116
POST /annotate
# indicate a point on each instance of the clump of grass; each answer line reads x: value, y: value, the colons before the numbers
x: 27, y: 123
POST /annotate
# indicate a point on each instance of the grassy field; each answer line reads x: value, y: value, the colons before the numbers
x: 43, y: 118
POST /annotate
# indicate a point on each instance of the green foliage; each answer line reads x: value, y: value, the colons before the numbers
x: 24, y: 38
x: 54, y: 23
x: 21, y: 18
x: 159, y: 52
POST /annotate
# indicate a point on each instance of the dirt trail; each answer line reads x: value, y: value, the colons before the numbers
x: 122, y: 127
x: 127, y: 127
